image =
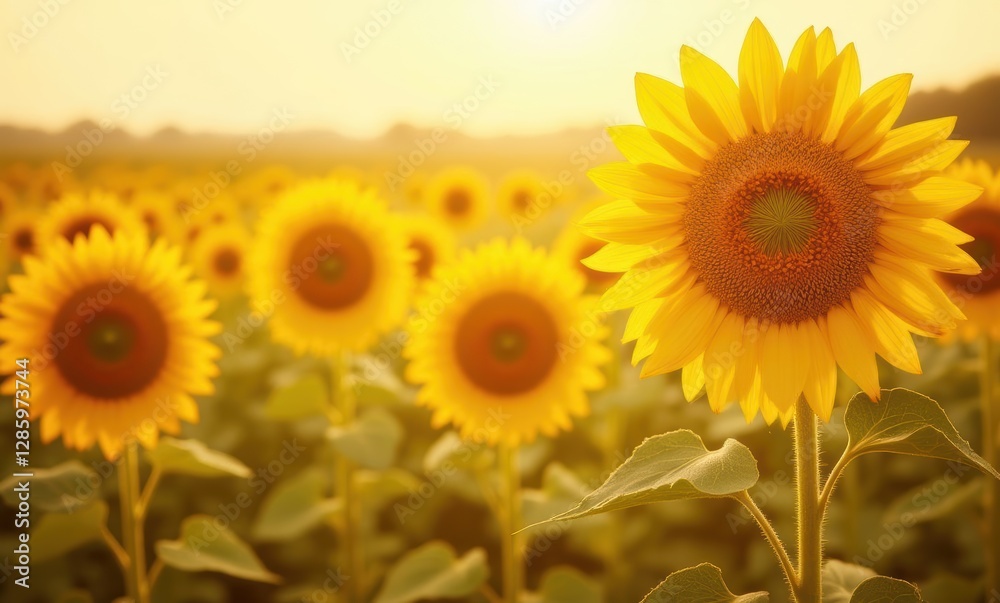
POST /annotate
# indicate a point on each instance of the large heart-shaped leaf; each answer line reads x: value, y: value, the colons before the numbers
x: 671, y: 466
x: 434, y: 572
x: 307, y: 397
x: 700, y: 584
x: 205, y: 546
x: 371, y: 441
x: 56, y: 534
x: 191, y: 457
x: 906, y: 422
x: 294, y: 506
x: 886, y: 590
x: 61, y: 489
x: 841, y: 579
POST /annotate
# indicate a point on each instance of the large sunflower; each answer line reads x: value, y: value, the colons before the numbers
x: 777, y: 229
x: 116, y: 335
x: 978, y: 296
x: 335, y: 265
x: 77, y: 214
x: 458, y: 196
x: 431, y: 242
x: 219, y: 256
x: 504, y: 345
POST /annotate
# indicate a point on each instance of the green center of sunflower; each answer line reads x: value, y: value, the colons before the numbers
x: 781, y: 221
x: 110, y: 340
x: 508, y: 344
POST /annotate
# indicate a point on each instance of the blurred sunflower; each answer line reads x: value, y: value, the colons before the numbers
x: 78, y: 214
x: 431, y: 242
x: 156, y: 210
x: 21, y: 229
x: 117, y: 335
x: 510, y: 354
x: 338, y: 262
x: 8, y: 199
x: 790, y: 224
x: 572, y: 247
x: 219, y: 257
x: 979, y: 297
x: 518, y: 193
x: 458, y: 196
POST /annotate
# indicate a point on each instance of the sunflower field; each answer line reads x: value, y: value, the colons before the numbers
x: 742, y: 348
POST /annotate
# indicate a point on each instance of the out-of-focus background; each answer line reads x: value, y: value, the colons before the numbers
x: 221, y: 105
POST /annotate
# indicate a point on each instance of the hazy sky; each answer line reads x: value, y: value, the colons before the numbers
x: 519, y: 66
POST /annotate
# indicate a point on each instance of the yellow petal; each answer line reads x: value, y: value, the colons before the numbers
x: 693, y: 379
x: 924, y: 240
x: 892, y: 339
x: 721, y: 358
x: 931, y: 197
x: 784, y: 364
x: 624, y: 222
x: 637, y: 144
x: 626, y: 181
x: 642, y: 284
x: 904, y: 144
x: 826, y: 50
x: 873, y: 115
x: 760, y: 73
x: 800, y: 76
x: 664, y: 109
x: 820, y: 389
x: 690, y: 322
x: 853, y: 350
x: 933, y: 161
x: 712, y: 97
x: 843, y: 87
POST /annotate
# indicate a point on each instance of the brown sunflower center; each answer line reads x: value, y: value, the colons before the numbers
x: 506, y: 344
x: 117, y: 342
x: 24, y: 240
x: 457, y: 202
x: 335, y: 266
x: 521, y: 200
x: 82, y: 225
x: 227, y: 261
x: 984, y: 225
x: 425, y: 257
x: 780, y: 227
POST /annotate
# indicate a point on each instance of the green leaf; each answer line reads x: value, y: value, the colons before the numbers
x: 671, y: 466
x: 61, y: 489
x: 191, y: 457
x: 700, y: 584
x: 934, y: 500
x: 433, y: 572
x: 56, y: 534
x: 375, y: 383
x: 840, y: 579
x: 204, y: 546
x: 886, y: 590
x: 307, y: 397
x: 371, y: 441
x: 569, y: 585
x: 293, y: 507
x: 906, y: 422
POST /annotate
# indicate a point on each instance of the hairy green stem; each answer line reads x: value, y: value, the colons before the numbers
x: 510, y: 520
x: 136, y: 582
x: 809, y: 511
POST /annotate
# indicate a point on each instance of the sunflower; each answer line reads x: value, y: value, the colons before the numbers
x: 116, y: 336
x: 156, y: 210
x: 518, y: 194
x: 778, y: 228
x: 458, y: 196
x: 219, y: 257
x: 512, y: 350
x: 77, y: 214
x: 431, y: 242
x: 978, y: 296
x: 21, y: 230
x: 572, y: 247
x: 334, y: 262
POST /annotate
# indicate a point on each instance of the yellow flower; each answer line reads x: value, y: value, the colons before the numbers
x: 572, y: 247
x: 778, y: 229
x: 458, y: 196
x: 157, y: 211
x: 334, y: 263
x: 219, y: 256
x: 978, y: 296
x: 21, y: 226
x: 116, y: 335
x: 77, y: 214
x: 504, y: 345
x: 431, y: 242
x: 517, y: 198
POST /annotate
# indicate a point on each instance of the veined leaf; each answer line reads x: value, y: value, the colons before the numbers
x: 434, y: 572
x: 886, y: 590
x: 841, y: 579
x: 205, y: 546
x: 700, y: 584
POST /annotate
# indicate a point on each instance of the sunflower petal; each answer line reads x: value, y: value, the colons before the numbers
x: 712, y: 97
x: 873, y: 114
x: 760, y: 74
x: 853, y: 349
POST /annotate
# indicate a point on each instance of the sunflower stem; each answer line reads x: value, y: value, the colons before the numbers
x: 510, y: 519
x: 350, y: 557
x: 772, y: 537
x: 810, y: 512
x: 991, y: 452
x: 136, y: 582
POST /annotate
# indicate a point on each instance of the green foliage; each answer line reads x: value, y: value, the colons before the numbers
x: 840, y: 579
x: 59, y: 533
x: 567, y: 585
x: 305, y: 398
x: 371, y: 441
x: 294, y: 506
x: 700, y: 584
x: 886, y: 590
x: 60, y: 489
x: 205, y: 546
x: 434, y: 572
x: 191, y: 457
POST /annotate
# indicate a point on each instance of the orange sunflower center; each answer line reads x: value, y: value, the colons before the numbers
x: 780, y: 227
x: 425, y: 257
x: 335, y: 265
x: 457, y: 202
x: 521, y: 200
x: 117, y: 342
x: 82, y: 225
x: 227, y: 261
x: 984, y: 225
x: 506, y: 343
